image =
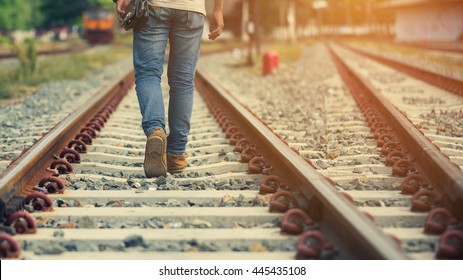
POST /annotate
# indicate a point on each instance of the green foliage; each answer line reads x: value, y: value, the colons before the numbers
x: 107, y: 4
x: 17, y: 14
x: 61, y: 12
x: 27, y: 14
x: 27, y: 56
x: 4, y: 40
x: 77, y: 65
x: 5, y: 89
x: 65, y: 12
x: 63, y: 67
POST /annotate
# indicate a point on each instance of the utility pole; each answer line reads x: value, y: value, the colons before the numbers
x: 348, y: 12
x: 251, y: 31
x: 282, y: 20
x: 372, y: 21
x: 291, y: 17
x: 256, y: 17
x: 245, y: 21
x: 318, y: 5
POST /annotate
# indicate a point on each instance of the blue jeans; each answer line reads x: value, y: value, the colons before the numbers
x: 183, y: 29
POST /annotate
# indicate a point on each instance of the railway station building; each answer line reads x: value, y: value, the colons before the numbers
x: 426, y: 20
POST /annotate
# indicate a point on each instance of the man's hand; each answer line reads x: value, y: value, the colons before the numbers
x: 121, y: 7
x: 216, y: 24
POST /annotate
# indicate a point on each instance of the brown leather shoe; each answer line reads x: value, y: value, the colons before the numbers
x: 155, y: 154
x: 176, y: 163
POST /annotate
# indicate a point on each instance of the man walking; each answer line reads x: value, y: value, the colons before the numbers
x: 181, y: 23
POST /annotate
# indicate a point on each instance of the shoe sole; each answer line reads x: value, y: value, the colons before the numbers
x: 155, y: 165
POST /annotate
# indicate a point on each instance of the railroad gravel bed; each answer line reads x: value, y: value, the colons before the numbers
x: 24, y: 123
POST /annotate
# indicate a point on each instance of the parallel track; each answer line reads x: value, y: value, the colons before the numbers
x: 342, y: 144
x: 49, y: 52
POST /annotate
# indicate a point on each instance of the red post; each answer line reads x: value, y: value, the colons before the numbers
x: 270, y: 62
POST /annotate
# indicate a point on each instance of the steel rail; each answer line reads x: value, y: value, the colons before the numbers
x: 25, y: 170
x: 49, y: 52
x: 436, y: 47
x: 440, y: 171
x: 444, y: 82
x: 339, y: 219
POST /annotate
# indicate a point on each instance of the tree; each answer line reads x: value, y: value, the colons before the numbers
x: 268, y: 13
x: 65, y: 12
x: 21, y: 14
x: 107, y: 4
x: 274, y: 13
x: 304, y: 12
x: 16, y: 14
x: 62, y: 12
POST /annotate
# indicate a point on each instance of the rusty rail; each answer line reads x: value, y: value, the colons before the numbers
x: 444, y: 176
x: 437, y: 47
x: 49, y: 52
x: 27, y: 170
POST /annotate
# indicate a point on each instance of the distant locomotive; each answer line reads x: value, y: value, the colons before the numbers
x: 98, y: 26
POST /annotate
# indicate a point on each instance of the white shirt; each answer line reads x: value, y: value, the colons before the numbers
x: 187, y: 5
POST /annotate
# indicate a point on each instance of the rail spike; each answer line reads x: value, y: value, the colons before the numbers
x: 71, y: 155
x: 50, y: 184
x: 438, y: 220
x: 9, y: 248
x: 295, y: 221
x: 259, y: 165
x: 312, y: 244
x: 271, y: 184
x: 413, y: 183
x: 281, y: 201
x: 451, y: 245
x: 423, y: 200
x: 39, y: 201
x: 22, y: 222
x: 60, y: 166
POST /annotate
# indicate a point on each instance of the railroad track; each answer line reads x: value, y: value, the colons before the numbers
x: 336, y: 135
x: 418, y: 138
x: 441, y: 70
x: 433, y: 109
x: 50, y: 52
x: 451, y: 48
x: 219, y: 208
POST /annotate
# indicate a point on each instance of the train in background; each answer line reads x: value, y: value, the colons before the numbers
x: 98, y: 26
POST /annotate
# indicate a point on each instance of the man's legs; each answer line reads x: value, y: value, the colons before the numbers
x: 149, y: 45
x: 148, y: 58
x: 184, y: 30
x: 184, y: 39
